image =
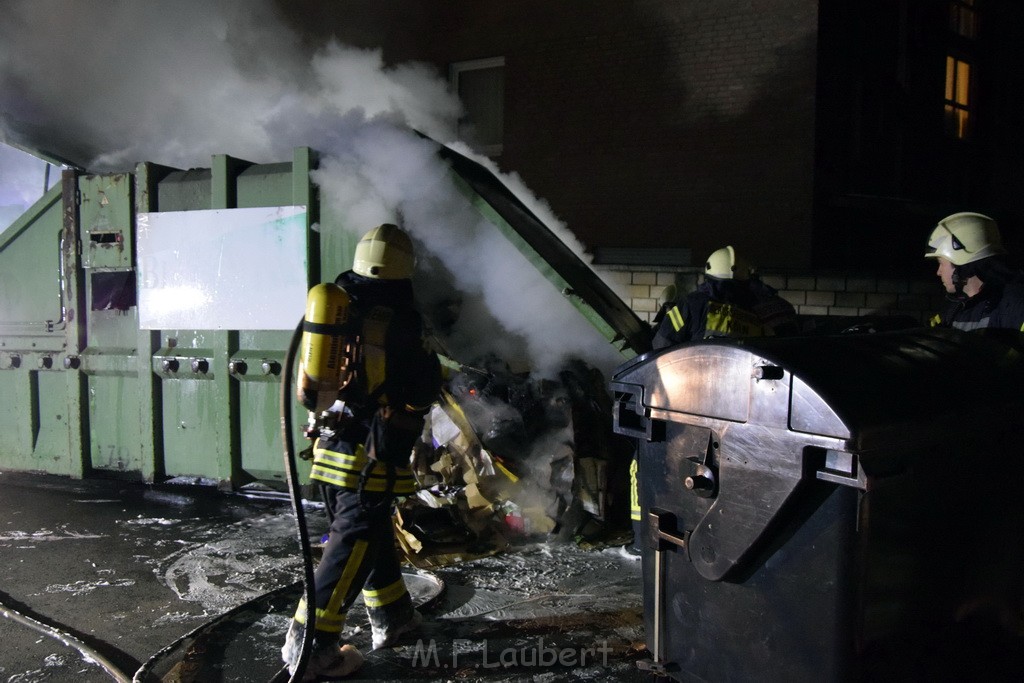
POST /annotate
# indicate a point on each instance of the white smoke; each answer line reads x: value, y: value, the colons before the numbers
x: 176, y: 82
x: 23, y: 180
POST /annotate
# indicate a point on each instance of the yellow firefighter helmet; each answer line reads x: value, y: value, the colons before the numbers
x: 384, y: 253
x: 964, y: 238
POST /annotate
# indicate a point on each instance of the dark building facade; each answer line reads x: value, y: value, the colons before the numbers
x: 809, y: 134
x: 918, y: 115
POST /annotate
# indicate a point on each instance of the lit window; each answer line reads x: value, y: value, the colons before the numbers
x: 958, y: 97
x: 963, y: 18
x: 480, y: 85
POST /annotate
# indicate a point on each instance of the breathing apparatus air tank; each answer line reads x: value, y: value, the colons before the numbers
x: 324, y: 361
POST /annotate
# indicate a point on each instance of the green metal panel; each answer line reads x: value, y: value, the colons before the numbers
x: 114, y: 424
x: 105, y: 214
x: 40, y: 402
x: 265, y: 185
x: 152, y: 403
x: 198, y: 416
x: 259, y: 355
x: 30, y: 269
x: 87, y: 391
x: 49, y: 424
x: 17, y: 419
x: 256, y: 366
x: 109, y: 360
x: 337, y: 246
x: 110, y: 365
x: 196, y: 428
x: 184, y: 190
x: 223, y: 421
x: 147, y: 342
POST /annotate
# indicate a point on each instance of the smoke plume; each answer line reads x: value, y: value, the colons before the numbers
x: 22, y: 180
x: 106, y: 85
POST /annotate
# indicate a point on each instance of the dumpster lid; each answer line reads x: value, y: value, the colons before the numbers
x: 760, y: 417
x: 874, y: 389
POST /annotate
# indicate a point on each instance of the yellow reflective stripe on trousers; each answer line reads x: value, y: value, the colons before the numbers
x: 345, y: 582
x: 634, y: 493
x: 332, y: 623
x: 331, y: 618
x: 344, y: 470
x: 384, y: 596
x: 936, y: 320
x: 676, y: 318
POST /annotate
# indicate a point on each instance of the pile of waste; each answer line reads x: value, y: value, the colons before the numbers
x: 507, y: 458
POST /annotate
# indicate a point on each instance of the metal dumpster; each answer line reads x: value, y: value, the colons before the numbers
x: 844, y: 507
x: 144, y: 316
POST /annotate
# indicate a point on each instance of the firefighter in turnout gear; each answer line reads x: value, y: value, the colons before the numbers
x: 729, y: 303
x: 361, y: 456
x: 982, y: 287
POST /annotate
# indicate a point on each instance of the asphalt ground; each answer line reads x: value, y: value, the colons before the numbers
x: 128, y: 569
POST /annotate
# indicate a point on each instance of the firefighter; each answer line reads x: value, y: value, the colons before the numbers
x: 730, y: 302
x: 361, y: 457
x: 983, y: 288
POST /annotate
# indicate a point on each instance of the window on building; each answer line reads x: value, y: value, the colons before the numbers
x: 958, y: 97
x: 963, y: 18
x: 480, y: 85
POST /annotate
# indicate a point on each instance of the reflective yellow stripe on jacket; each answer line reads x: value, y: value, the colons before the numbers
x: 344, y: 470
x: 676, y: 318
x: 733, y: 321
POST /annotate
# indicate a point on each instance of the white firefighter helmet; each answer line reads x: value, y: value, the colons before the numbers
x: 964, y: 238
x: 721, y: 264
x: 384, y: 253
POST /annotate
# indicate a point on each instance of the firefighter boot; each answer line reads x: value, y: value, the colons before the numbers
x: 386, y: 635
x: 328, y: 658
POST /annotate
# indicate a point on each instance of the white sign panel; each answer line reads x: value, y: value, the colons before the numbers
x: 224, y: 269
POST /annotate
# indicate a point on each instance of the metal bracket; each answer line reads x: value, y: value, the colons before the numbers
x: 663, y: 534
x: 660, y: 669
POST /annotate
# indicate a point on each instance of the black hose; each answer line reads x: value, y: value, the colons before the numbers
x: 147, y: 667
x: 88, y: 653
x: 295, y: 492
x: 292, y: 475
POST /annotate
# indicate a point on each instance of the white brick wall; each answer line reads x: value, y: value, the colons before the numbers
x: 831, y: 294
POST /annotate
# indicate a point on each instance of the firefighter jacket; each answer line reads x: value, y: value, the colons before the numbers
x: 396, y: 380
x: 996, y: 305
x: 725, y: 308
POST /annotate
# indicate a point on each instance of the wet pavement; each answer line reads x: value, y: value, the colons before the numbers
x: 129, y: 569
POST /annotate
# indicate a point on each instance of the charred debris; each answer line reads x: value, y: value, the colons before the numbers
x: 506, y: 458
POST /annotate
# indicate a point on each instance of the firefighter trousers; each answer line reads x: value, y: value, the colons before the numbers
x: 359, y: 556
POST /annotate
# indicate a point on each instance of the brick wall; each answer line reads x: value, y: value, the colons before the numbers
x: 812, y: 294
x: 657, y: 122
